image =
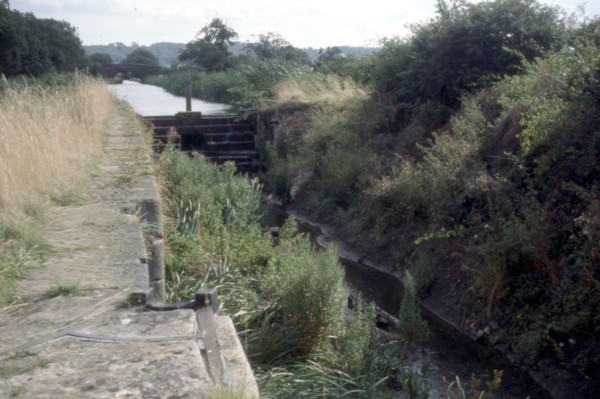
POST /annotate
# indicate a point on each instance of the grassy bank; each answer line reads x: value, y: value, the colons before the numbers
x: 496, y: 214
x: 49, y: 135
x: 471, y: 162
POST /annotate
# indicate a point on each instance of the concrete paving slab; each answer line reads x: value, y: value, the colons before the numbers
x: 74, y: 368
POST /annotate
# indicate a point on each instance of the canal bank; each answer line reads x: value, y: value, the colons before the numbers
x: 83, y: 330
x: 296, y: 119
x: 436, y: 259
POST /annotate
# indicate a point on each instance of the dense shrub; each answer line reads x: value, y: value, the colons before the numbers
x: 335, y: 150
x: 432, y: 189
x: 463, y: 48
x: 511, y: 178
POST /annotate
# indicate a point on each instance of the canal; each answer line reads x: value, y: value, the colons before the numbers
x: 446, y: 355
x: 148, y: 100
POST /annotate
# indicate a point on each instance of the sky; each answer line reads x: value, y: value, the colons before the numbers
x: 303, y: 23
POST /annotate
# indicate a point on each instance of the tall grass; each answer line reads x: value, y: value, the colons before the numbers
x: 286, y: 299
x: 317, y: 88
x: 308, y: 286
x: 48, y: 134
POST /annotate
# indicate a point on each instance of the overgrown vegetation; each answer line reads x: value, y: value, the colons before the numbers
x: 255, y: 82
x: 512, y: 178
x: 410, y: 322
x: 472, y: 162
x: 286, y: 298
x: 50, y: 132
x: 481, y: 177
x: 464, y: 48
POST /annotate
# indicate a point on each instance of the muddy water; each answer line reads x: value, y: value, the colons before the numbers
x: 447, y: 353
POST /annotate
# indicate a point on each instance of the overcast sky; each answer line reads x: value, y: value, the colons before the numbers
x: 304, y: 23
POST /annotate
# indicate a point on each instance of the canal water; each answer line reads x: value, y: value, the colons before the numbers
x: 148, y: 100
x: 447, y: 353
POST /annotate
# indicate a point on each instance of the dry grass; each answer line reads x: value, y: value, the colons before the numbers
x: 316, y: 88
x: 47, y: 137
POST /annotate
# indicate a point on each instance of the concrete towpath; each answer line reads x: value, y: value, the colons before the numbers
x: 84, y: 332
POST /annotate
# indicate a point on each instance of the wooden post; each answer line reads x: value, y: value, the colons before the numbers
x: 188, y: 96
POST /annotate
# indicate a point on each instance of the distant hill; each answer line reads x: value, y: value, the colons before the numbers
x: 167, y: 53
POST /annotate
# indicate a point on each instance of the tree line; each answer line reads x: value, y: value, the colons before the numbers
x: 39, y: 46
x: 211, y: 49
x: 35, y: 46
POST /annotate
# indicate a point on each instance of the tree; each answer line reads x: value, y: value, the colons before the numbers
x: 332, y: 60
x: 210, y: 50
x: 96, y: 61
x: 64, y: 46
x: 33, y: 46
x: 100, y: 58
x: 272, y: 45
x: 9, y: 40
x: 141, y: 56
x: 328, y: 54
x: 464, y: 48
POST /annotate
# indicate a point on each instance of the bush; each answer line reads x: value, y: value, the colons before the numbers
x: 431, y: 189
x: 218, y: 87
x: 465, y: 47
x: 335, y: 149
